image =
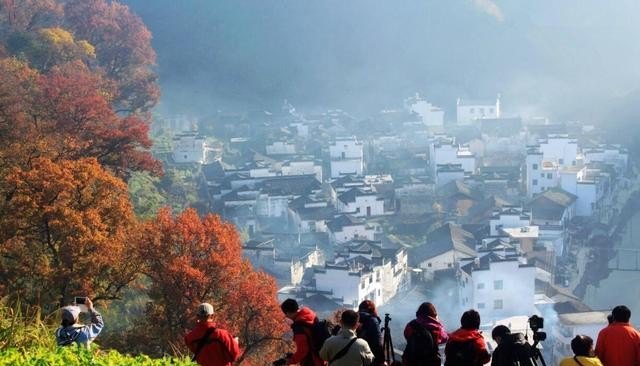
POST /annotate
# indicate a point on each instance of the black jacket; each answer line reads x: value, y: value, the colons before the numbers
x: 514, y: 348
x: 369, y: 330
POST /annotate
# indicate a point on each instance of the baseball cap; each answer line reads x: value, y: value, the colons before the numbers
x: 70, y: 313
x: 205, y: 309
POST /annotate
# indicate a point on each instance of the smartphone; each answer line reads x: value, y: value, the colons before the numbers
x: 81, y: 303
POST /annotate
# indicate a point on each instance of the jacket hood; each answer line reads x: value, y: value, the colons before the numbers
x: 463, y: 335
x: 429, y: 322
x: 305, y: 316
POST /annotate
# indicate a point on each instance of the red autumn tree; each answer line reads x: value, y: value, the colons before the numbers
x: 123, y: 49
x: 190, y: 260
x: 76, y: 105
x: 103, y: 34
x: 28, y: 15
x: 66, y: 114
x: 64, y: 232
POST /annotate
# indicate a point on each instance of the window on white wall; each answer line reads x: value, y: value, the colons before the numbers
x: 480, y: 286
x: 497, y: 285
x: 480, y: 305
x: 497, y: 304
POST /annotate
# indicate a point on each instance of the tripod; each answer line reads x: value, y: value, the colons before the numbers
x: 536, y: 354
x: 387, y: 343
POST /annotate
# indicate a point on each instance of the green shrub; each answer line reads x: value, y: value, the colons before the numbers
x: 24, y: 327
x: 78, y: 356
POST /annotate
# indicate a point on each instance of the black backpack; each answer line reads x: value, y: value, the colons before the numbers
x: 421, y: 349
x: 460, y: 353
x: 316, y: 333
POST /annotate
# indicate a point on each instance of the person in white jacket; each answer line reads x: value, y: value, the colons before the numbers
x: 345, y: 349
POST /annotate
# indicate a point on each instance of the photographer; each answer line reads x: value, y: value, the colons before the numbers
x: 71, y: 331
x: 512, y: 349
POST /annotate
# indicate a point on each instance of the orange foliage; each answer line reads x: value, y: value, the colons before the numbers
x: 65, y: 114
x: 123, y: 49
x: 63, y: 232
x: 191, y: 260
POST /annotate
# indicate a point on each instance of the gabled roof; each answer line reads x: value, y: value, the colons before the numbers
x: 344, y: 220
x: 444, y: 239
x: 457, y: 187
x: 300, y: 202
x: 296, y: 185
x: 346, y: 179
x: 350, y: 195
x: 213, y: 172
x: 484, y: 262
x: 551, y: 204
x: 315, y: 213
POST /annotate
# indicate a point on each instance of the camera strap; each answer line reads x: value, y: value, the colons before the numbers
x: 343, y: 351
x: 575, y: 358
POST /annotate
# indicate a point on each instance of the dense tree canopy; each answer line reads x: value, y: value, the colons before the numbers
x: 76, y: 82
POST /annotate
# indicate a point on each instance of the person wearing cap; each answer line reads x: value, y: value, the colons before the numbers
x: 72, y: 331
x: 211, y: 346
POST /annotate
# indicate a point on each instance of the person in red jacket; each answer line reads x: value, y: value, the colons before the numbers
x: 303, y: 319
x: 211, y: 346
x: 619, y: 343
x: 466, y: 347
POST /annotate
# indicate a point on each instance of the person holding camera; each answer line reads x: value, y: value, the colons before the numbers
x: 582, y: 347
x: 512, y: 348
x: 619, y: 343
x: 345, y: 349
x: 211, y: 346
x: 72, y: 331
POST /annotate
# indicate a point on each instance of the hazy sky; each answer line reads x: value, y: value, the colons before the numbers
x: 570, y: 58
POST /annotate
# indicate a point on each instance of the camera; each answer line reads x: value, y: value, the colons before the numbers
x: 80, y: 300
x: 536, y: 323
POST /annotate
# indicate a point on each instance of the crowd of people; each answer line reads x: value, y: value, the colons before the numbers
x: 358, y: 340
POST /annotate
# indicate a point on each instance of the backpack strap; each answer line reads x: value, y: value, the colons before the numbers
x: 206, y: 340
x: 343, y: 351
x: 201, y: 343
x: 575, y: 358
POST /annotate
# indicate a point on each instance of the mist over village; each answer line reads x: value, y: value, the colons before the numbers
x: 221, y: 183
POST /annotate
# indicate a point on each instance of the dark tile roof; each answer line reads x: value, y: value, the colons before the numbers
x: 213, y: 172
x: 296, y: 185
x: 445, y: 238
x: 551, y: 204
x: 350, y: 195
x: 315, y: 213
x: 344, y: 220
x: 458, y: 187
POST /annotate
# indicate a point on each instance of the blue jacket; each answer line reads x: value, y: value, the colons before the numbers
x: 79, y: 333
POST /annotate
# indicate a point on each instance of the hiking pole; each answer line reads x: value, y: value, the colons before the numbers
x: 387, y: 344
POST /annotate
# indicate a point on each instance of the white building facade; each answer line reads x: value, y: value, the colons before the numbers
x: 469, y: 111
x: 347, y: 157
